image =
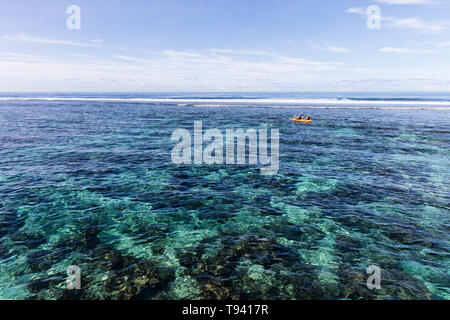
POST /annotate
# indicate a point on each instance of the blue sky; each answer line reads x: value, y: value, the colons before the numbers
x: 225, y: 45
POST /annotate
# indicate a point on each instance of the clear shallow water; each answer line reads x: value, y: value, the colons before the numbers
x: 91, y: 183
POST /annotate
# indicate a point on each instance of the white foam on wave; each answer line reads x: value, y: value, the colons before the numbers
x: 323, y: 107
x: 269, y: 103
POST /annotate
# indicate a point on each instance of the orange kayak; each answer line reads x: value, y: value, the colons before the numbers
x: 304, y: 121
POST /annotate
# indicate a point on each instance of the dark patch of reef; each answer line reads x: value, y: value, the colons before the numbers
x: 233, y: 266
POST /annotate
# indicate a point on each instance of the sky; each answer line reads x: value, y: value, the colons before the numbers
x: 224, y: 45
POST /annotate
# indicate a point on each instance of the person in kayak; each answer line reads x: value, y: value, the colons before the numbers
x: 299, y: 117
x: 308, y: 118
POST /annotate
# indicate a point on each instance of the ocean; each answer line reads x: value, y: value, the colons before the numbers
x: 87, y: 179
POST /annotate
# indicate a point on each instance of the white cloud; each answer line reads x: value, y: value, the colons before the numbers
x: 330, y: 48
x: 178, y: 54
x: 417, y: 24
x: 272, y: 58
x: 233, y: 59
x: 359, y: 10
x: 164, y: 70
x: 199, y: 70
x: 413, y: 23
x: 133, y: 59
x: 14, y: 57
x: 403, y: 50
x: 240, y: 52
x: 26, y: 38
x: 338, y: 49
x: 406, y: 1
x: 443, y: 44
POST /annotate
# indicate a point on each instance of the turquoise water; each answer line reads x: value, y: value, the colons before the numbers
x: 91, y: 183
